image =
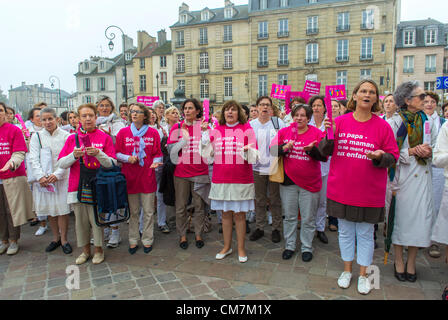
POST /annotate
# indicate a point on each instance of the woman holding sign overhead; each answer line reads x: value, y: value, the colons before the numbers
x: 362, y: 149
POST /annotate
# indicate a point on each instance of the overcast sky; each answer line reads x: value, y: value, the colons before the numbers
x: 40, y: 38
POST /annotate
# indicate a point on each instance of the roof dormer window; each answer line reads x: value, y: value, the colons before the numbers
x: 128, y: 56
x: 228, y: 13
x: 431, y: 36
x: 183, y: 18
x: 205, y: 16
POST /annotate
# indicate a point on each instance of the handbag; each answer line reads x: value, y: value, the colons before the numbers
x: 276, y: 171
x: 87, y: 180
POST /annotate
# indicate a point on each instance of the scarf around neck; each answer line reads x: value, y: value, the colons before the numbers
x: 413, y: 123
x: 139, y: 144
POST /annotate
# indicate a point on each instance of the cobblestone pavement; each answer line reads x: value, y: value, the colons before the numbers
x: 170, y: 272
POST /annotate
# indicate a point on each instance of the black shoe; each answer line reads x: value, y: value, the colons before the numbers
x: 184, y: 245
x: 276, y: 238
x: 133, y: 250
x: 52, y: 246
x: 247, y: 227
x: 147, y: 249
x: 256, y: 235
x: 67, y: 248
x: 33, y: 223
x: 322, y: 237
x: 287, y: 254
x: 199, y: 243
x: 401, y: 276
x: 411, y: 277
x: 307, y: 256
x: 220, y: 229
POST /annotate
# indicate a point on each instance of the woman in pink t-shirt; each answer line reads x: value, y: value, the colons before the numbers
x: 363, y: 148
x: 138, y: 148
x: 302, y: 182
x: 233, y: 148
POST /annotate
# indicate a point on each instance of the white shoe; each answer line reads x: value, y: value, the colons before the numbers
x: 13, y: 248
x: 41, y: 231
x: 363, y: 285
x: 3, y: 247
x: 269, y: 218
x: 106, y: 234
x: 344, y: 280
x: 242, y: 259
x: 221, y: 256
x: 114, y: 239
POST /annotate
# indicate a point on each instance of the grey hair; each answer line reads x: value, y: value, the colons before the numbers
x: 403, y: 92
x: 157, y: 103
x: 48, y: 110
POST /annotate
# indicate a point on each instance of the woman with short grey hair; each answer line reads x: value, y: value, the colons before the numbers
x: 159, y: 107
x: 414, y: 203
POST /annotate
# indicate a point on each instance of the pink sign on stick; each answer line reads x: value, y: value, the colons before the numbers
x: 311, y: 87
x: 291, y: 95
x: 337, y: 92
x: 146, y: 100
x: 278, y: 91
x: 206, y: 105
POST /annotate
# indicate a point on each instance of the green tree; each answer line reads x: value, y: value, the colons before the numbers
x: 3, y: 97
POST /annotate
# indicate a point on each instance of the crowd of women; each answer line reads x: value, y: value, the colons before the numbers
x: 303, y: 166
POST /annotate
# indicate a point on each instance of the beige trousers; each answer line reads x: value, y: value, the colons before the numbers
x: 262, y: 186
x: 7, y: 229
x: 85, y: 220
x: 145, y: 201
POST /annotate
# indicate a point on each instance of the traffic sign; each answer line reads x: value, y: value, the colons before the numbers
x: 442, y: 83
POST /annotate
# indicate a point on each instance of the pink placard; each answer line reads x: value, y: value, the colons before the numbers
x: 206, y: 105
x: 337, y: 92
x: 330, y: 133
x: 311, y: 87
x: 291, y: 95
x: 278, y: 91
x: 146, y: 100
x: 19, y: 117
x: 382, y: 98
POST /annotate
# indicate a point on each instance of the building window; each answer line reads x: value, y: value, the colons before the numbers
x: 341, y: 77
x: 86, y: 66
x: 366, y: 48
x: 101, y: 65
x: 408, y: 37
x: 181, y: 85
x: 342, y: 50
x: 86, y: 84
x: 228, y: 59
x: 429, y: 85
x: 312, y: 25
x: 382, y: 81
x: 283, y: 28
x: 164, y: 96
x: 203, y: 61
x: 283, y: 3
x: 228, y: 13
x: 142, y: 83
x: 227, y: 33
x: 408, y: 64
x: 102, y: 84
x: 262, y: 85
x: 204, y: 16
x: 228, y: 92
x: 128, y: 56
x: 183, y: 18
x: 203, y: 37
x: 204, y: 89
x: 312, y: 53
x: 311, y: 77
x: 366, y: 74
x: 263, y: 4
x: 163, y: 78
x: 312, y: 1
x: 180, y: 38
x: 263, y: 30
x: 180, y: 63
x: 88, y: 99
x: 343, y: 21
x: 283, y: 79
x: 263, y: 56
x: 142, y: 63
x: 163, y: 61
x: 430, y: 36
x: 430, y: 65
x: 283, y: 54
x: 367, y: 19
x: 383, y: 48
x: 445, y: 65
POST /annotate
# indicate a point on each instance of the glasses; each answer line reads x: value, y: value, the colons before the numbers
x: 422, y: 96
x: 265, y: 105
x: 137, y: 112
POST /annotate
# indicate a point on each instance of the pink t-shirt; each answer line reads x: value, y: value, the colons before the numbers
x: 190, y: 163
x: 11, y: 140
x: 353, y: 180
x: 229, y: 166
x: 303, y: 170
x: 139, y: 179
x: 99, y: 140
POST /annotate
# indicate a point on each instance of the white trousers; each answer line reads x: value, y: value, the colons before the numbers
x: 321, y: 214
x: 361, y: 234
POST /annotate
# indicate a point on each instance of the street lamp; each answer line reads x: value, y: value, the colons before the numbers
x: 157, y: 79
x: 111, y: 37
x: 52, y: 80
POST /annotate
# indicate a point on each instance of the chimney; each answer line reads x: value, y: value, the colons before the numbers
x: 184, y: 7
x: 143, y: 39
x: 161, y: 36
x: 23, y: 83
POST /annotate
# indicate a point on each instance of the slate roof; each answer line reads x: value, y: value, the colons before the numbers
x: 163, y: 50
x: 420, y: 26
x: 147, y: 51
x: 275, y: 4
x: 242, y: 13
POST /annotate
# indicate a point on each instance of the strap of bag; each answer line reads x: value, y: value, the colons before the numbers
x: 275, y: 123
x: 40, y: 142
x: 78, y: 145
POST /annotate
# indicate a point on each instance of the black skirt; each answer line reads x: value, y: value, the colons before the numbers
x: 355, y: 214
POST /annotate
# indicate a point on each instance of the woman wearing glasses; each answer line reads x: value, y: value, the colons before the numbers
x: 414, y: 203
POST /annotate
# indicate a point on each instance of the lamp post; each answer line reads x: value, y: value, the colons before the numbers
x: 52, y: 80
x: 157, y: 80
x: 111, y: 37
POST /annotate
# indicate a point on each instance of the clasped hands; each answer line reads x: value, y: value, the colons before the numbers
x: 90, y: 151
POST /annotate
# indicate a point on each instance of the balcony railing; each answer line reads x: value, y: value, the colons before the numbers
x: 367, y: 26
x: 341, y: 58
x: 204, y: 69
x: 262, y: 64
x: 343, y: 28
x: 180, y: 44
x: 263, y: 36
x: 283, y: 63
x: 366, y: 57
x: 311, y: 61
x: 227, y: 39
x: 430, y: 69
x: 311, y: 31
x: 283, y: 34
x: 408, y: 70
x: 203, y: 41
x: 180, y: 70
x: 227, y: 66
